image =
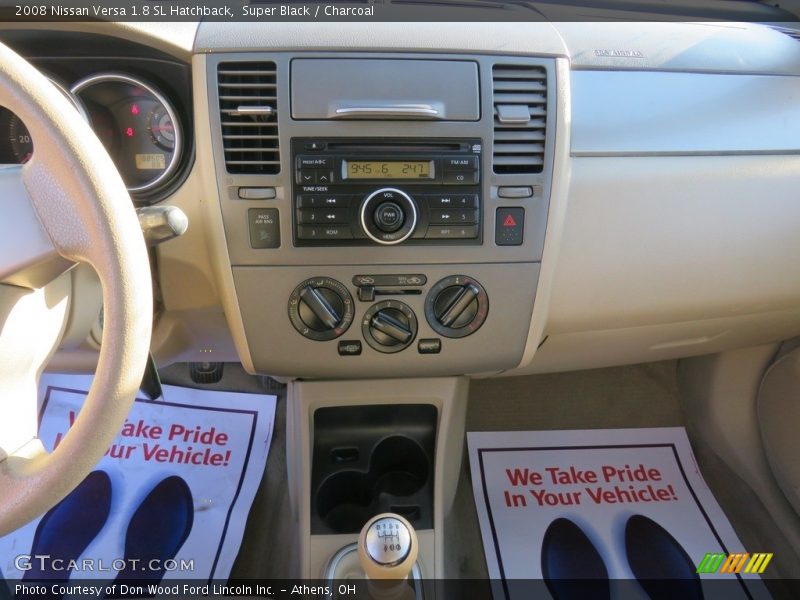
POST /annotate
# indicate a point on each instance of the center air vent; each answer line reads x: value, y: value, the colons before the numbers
x: 248, y: 106
x: 520, y: 110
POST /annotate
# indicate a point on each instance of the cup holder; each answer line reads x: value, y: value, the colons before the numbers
x: 398, y: 470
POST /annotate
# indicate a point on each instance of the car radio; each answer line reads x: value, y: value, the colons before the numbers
x: 350, y: 192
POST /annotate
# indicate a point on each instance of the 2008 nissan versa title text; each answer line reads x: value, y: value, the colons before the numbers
x: 134, y: 10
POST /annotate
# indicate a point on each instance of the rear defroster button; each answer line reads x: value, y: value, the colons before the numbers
x: 350, y: 347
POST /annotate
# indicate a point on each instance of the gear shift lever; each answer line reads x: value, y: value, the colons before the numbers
x: 387, y: 550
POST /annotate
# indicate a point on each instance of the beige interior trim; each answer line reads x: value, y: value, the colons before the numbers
x: 212, y: 215
x: 779, y: 416
x: 559, y: 197
x: 718, y: 396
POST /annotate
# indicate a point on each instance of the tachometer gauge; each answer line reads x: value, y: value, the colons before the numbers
x: 137, y: 125
x: 162, y: 129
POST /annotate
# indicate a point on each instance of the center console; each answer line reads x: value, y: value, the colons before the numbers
x: 384, y: 217
x: 384, y: 214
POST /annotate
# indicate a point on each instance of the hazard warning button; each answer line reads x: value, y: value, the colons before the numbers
x: 509, y: 226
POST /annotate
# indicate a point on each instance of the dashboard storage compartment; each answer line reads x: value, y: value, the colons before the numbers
x: 385, y: 89
x: 372, y: 459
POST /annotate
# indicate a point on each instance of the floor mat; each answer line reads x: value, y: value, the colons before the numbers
x: 625, y: 511
x: 176, y: 487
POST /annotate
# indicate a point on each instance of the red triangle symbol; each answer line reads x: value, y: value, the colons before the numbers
x: 509, y: 222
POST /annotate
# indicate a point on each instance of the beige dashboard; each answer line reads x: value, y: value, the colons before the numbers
x: 667, y: 210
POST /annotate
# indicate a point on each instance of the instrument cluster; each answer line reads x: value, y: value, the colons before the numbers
x: 136, y: 122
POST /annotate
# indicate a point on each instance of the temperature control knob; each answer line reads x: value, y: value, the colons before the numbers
x: 321, y: 308
x: 456, y: 306
x: 389, y: 326
x: 388, y: 216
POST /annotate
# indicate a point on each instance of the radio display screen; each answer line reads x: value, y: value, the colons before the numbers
x: 388, y: 169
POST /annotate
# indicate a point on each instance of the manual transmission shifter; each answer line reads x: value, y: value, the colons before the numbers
x: 387, y: 550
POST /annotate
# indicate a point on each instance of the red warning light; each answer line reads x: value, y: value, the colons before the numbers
x: 134, y: 109
x: 130, y: 132
x: 509, y: 222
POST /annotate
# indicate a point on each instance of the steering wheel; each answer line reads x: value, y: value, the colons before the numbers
x: 66, y: 205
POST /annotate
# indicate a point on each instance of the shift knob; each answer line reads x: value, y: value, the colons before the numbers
x: 387, y: 547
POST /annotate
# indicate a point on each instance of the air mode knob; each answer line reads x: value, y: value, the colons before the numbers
x: 389, y: 326
x: 456, y: 306
x: 321, y: 309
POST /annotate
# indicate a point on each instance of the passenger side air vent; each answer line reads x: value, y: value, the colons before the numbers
x: 248, y: 106
x: 520, y: 110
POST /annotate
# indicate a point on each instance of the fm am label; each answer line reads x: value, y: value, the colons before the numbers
x: 570, y: 486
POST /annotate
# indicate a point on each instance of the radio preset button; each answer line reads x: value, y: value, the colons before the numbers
x: 312, y: 216
x: 453, y: 201
x: 448, y: 232
x: 323, y: 201
x: 445, y: 217
x: 331, y: 232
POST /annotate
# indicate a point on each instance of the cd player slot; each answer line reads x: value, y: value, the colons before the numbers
x: 400, y: 147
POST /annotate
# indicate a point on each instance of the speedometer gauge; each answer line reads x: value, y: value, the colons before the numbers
x: 19, y: 138
x: 137, y: 125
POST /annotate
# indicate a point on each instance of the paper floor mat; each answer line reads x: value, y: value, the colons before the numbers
x: 177, y: 483
x: 622, y: 505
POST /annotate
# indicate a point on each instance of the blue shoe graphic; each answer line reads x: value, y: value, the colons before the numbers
x: 67, y: 529
x: 659, y: 563
x: 571, y: 565
x: 157, y: 530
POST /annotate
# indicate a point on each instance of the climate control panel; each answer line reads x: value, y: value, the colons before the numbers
x: 322, y: 309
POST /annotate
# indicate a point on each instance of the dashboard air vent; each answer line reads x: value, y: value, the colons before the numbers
x: 520, y: 110
x: 248, y: 106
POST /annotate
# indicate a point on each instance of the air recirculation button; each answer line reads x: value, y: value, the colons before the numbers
x: 456, y: 306
x: 389, y: 326
x: 321, y: 309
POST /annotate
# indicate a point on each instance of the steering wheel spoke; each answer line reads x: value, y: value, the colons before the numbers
x: 28, y: 257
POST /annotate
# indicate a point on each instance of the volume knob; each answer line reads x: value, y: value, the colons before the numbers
x: 388, y: 216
